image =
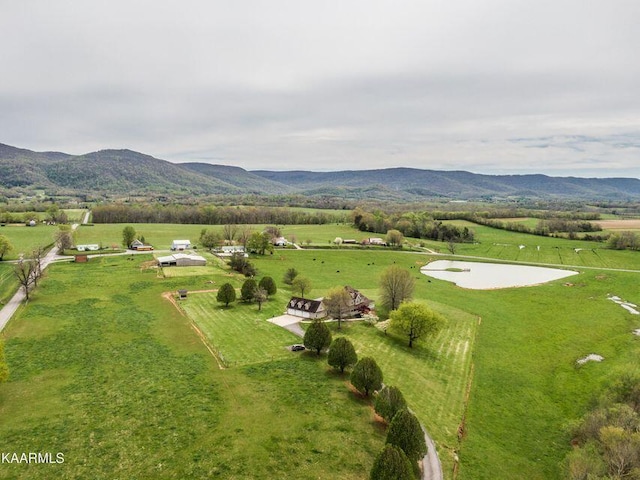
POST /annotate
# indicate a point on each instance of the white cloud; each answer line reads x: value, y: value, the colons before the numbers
x: 324, y: 85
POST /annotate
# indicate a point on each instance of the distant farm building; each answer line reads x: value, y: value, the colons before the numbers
x: 88, y: 248
x: 374, y: 241
x: 229, y: 250
x: 180, y: 245
x: 182, y: 294
x: 139, y: 246
x: 305, y: 308
x: 81, y: 259
x: 280, y: 242
x: 182, y: 260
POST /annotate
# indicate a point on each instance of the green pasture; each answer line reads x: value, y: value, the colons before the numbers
x: 8, y: 282
x: 26, y: 239
x: 100, y: 365
x: 106, y: 371
x: 161, y: 235
x: 503, y: 245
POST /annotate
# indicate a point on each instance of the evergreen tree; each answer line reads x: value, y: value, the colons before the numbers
x: 405, y: 432
x: 366, y: 376
x: 289, y: 275
x: 317, y: 337
x: 342, y: 354
x: 391, y: 464
x: 248, y: 289
x: 388, y: 402
x: 226, y: 294
x: 269, y: 285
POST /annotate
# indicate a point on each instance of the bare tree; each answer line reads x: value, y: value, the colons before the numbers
x: 259, y: 296
x: 337, y: 303
x: 37, y: 256
x: 396, y: 286
x: 229, y: 232
x: 24, y: 271
x: 244, y: 236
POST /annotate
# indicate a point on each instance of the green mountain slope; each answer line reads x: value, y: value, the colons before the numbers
x: 125, y: 171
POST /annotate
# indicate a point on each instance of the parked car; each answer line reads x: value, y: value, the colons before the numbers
x: 297, y: 348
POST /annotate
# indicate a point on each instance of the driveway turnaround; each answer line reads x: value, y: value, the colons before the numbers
x: 288, y: 322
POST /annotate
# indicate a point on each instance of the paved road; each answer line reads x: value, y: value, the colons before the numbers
x: 10, y: 308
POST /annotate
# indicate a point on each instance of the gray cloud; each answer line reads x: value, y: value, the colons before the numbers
x: 494, y: 86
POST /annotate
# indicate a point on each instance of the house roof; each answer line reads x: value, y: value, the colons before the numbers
x: 305, y: 304
x: 177, y: 256
x: 357, y: 298
x: 181, y: 241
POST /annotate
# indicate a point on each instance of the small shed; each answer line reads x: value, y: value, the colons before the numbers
x: 139, y: 246
x: 182, y: 294
x: 180, y: 245
x: 81, y: 259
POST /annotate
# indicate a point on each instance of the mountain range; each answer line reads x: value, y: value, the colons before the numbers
x: 129, y: 172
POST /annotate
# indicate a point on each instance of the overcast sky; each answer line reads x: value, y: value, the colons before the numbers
x: 486, y: 86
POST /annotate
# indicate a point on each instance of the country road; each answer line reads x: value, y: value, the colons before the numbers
x: 12, y: 305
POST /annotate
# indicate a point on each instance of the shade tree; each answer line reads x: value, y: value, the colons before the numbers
x: 396, y: 286
x: 337, y: 302
x: 415, y: 320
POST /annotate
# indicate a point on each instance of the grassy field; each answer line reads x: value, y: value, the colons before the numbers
x: 161, y: 236
x: 25, y: 239
x: 8, y: 283
x: 99, y: 337
x: 111, y: 375
x: 503, y: 245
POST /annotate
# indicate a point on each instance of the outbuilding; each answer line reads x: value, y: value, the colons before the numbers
x: 180, y: 245
x: 305, y: 308
x: 182, y: 260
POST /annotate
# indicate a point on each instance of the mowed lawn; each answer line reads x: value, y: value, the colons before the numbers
x: 109, y: 373
x: 240, y: 334
x: 433, y: 375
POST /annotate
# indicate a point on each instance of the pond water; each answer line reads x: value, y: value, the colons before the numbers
x: 482, y: 276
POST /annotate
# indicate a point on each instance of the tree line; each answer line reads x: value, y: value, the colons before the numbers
x: 210, y: 215
x: 411, y: 224
x: 606, y: 441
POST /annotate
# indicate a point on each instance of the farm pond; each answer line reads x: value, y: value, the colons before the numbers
x: 484, y: 276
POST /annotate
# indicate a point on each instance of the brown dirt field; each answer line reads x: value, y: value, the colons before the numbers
x: 619, y: 224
